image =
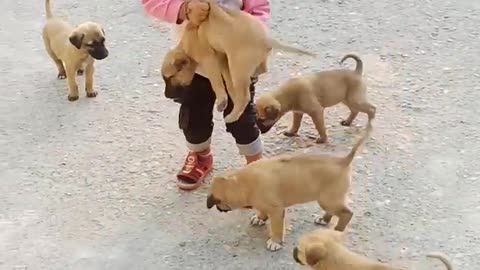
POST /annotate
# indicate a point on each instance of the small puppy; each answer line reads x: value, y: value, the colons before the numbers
x: 311, y: 94
x: 271, y: 185
x: 230, y: 46
x: 324, y: 250
x: 74, y: 50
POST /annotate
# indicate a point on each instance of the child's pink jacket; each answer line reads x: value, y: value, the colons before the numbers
x: 167, y: 10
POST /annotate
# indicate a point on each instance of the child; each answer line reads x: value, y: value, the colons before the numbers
x: 197, y: 101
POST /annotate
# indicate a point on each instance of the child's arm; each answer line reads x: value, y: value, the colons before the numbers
x: 258, y: 8
x: 165, y: 10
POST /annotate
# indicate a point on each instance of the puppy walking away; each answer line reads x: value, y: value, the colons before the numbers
x: 271, y: 185
x: 74, y: 50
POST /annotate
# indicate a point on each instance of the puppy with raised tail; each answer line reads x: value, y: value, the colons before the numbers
x: 271, y: 185
x: 324, y: 250
x: 74, y: 50
x: 231, y: 47
x: 311, y: 94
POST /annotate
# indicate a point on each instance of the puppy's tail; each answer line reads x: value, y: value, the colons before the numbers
x: 48, y: 9
x: 359, y: 67
x: 277, y: 45
x: 442, y: 257
x: 349, y: 158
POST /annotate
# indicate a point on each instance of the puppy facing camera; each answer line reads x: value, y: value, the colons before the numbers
x: 74, y: 50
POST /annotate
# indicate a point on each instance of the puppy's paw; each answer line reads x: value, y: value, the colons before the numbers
x: 321, y: 140
x: 61, y: 76
x: 256, y: 221
x: 92, y: 94
x: 72, y: 98
x: 288, y: 133
x: 320, y: 221
x: 273, y: 246
x: 80, y: 72
x: 345, y: 123
x: 231, y: 118
x: 221, y: 104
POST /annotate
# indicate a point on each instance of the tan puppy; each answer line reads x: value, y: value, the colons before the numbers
x: 230, y: 46
x: 73, y: 50
x: 311, y: 94
x: 324, y: 250
x: 271, y: 185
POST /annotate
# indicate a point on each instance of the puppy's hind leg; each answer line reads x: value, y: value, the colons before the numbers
x: 296, y: 122
x: 213, y: 70
x: 242, y: 67
x: 61, y: 69
x: 326, y: 218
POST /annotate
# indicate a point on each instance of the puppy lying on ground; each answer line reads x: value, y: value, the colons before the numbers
x: 271, y: 185
x: 324, y: 250
x: 230, y: 46
x: 311, y: 94
x: 74, y: 50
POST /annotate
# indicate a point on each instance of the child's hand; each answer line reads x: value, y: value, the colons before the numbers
x: 197, y: 11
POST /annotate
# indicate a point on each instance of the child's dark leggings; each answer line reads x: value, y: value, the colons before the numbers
x: 196, y: 119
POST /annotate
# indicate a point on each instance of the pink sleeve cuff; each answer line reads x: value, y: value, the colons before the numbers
x: 165, y: 10
x: 258, y: 8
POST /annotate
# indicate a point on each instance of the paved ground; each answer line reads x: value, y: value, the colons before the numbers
x: 88, y: 185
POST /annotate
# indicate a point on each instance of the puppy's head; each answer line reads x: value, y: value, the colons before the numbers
x: 268, y: 112
x: 177, y: 70
x: 227, y: 194
x: 90, y: 36
x: 313, y: 247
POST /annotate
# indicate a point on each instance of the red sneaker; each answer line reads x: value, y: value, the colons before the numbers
x: 197, y: 166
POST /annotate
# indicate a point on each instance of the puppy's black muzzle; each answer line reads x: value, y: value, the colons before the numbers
x: 262, y: 126
x: 295, y: 255
x: 222, y: 210
x: 177, y: 93
x: 98, y: 52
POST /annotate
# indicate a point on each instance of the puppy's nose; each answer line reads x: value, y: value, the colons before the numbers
x: 295, y: 255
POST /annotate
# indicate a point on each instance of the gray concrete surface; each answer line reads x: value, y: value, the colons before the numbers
x: 89, y: 185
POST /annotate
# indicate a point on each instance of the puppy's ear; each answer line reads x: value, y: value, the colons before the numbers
x: 315, y: 253
x: 76, y: 39
x: 179, y: 63
x: 211, y: 201
x: 271, y: 112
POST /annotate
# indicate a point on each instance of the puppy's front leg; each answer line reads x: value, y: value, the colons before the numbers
x: 318, y: 120
x: 277, y: 229
x: 296, y: 122
x: 213, y: 71
x: 259, y: 218
x: 72, y: 83
x: 89, y: 71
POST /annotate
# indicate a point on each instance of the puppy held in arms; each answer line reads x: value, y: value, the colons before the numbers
x: 230, y: 47
x: 271, y: 185
x: 74, y: 50
x: 311, y: 94
x: 324, y: 250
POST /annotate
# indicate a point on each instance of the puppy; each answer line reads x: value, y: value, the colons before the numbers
x: 271, y: 185
x: 230, y: 46
x: 323, y: 249
x: 311, y: 94
x: 74, y: 50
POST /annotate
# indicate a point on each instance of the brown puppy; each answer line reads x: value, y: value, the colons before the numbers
x: 74, y: 50
x: 271, y: 185
x: 324, y: 250
x: 311, y: 94
x: 230, y: 46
